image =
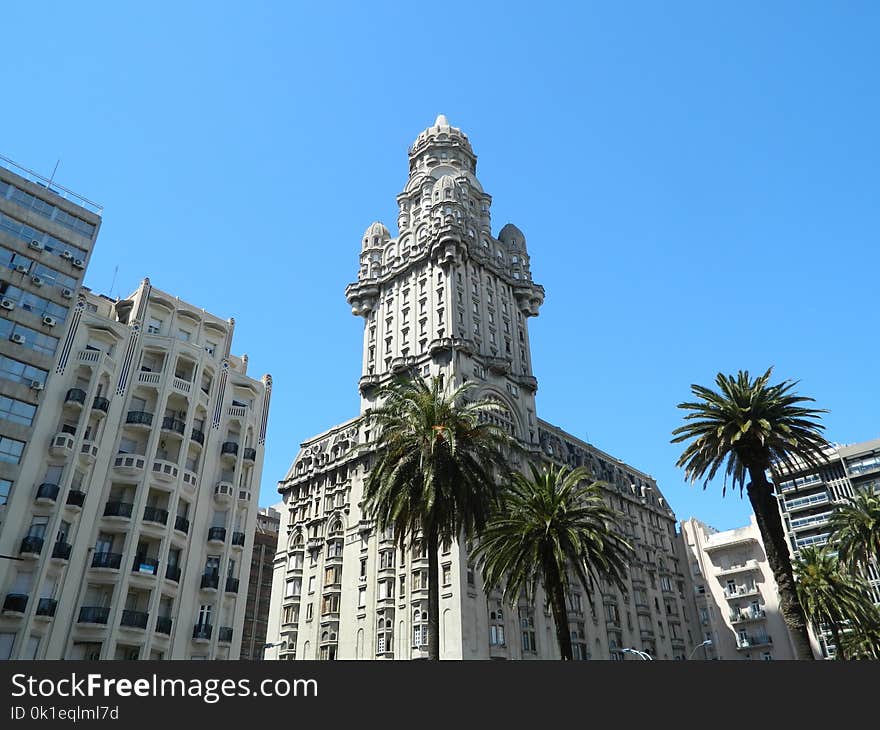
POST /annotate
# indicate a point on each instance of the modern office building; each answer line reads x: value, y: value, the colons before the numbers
x: 735, y: 595
x: 447, y: 298
x: 135, y: 505
x: 46, y: 238
x: 253, y: 634
x: 807, y: 497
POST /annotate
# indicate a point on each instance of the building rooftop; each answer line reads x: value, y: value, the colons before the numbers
x: 51, y: 186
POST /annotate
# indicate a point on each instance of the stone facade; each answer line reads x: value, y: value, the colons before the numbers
x: 447, y: 298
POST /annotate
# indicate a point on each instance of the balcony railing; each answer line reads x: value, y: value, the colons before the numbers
x: 163, y: 625
x: 225, y: 634
x: 198, y: 436
x: 202, y: 631
x: 31, y: 545
x: 75, y: 498
x: 155, y: 514
x: 46, y: 607
x: 75, y: 395
x: 134, y: 619
x: 139, y: 418
x: 130, y: 463
x: 94, y: 614
x: 118, y: 509
x: 15, y: 602
x: 249, y: 454
x: 107, y: 560
x: 750, y: 641
x: 181, y: 524
x: 47, y: 491
x: 238, y: 539
x: 217, y: 534
x: 167, y: 471
x: 172, y: 572
x: 232, y: 585
x: 229, y: 447
x: 61, y: 550
x: 174, y: 425
x: 210, y: 580
x: 101, y: 404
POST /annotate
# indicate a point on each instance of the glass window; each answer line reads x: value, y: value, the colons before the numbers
x: 10, y: 450
x: 17, y: 411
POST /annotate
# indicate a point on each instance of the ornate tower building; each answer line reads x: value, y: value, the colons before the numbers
x: 445, y: 297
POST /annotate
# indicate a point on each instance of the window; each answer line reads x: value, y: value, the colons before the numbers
x: 447, y: 574
x: 293, y: 588
x: 311, y: 584
x: 5, y: 489
x: 496, y: 628
x: 17, y: 411
x: 20, y: 372
x: 184, y: 335
x: 420, y: 629
x: 210, y: 347
x: 10, y: 450
x: 155, y: 326
x: 527, y: 630
x: 309, y: 612
x: 362, y: 597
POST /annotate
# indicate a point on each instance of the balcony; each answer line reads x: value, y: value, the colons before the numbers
x: 747, y: 616
x: 94, y: 615
x: 231, y: 585
x: 210, y: 581
x: 747, y: 566
x: 224, y: 635
x: 94, y: 356
x: 61, y: 444
x: 173, y: 425
x: 47, y: 493
x: 107, y: 561
x: 100, y: 404
x: 88, y: 452
x: 15, y: 603
x: 249, y: 454
x: 155, y: 514
x: 163, y: 625
x: 223, y: 492
x: 148, y: 378
x: 31, y: 545
x: 810, y: 522
x: 181, y: 385
x: 61, y: 550
x: 130, y: 464
x: 172, y: 572
x: 244, y: 496
x: 181, y: 524
x: 75, y: 498
x: 751, y: 642
x: 811, y: 500
x: 237, y: 411
x: 144, y: 565
x: 741, y: 592
x: 121, y: 510
x: 165, y: 471
x: 139, y: 418
x: 314, y: 543
x: 238, y: 539
x: 190, y: 478
x: 134, y: 619
x: 46, y: 607
x: 217, y: 534
x: 75, y: 397
x: 198, y: 436
x: 202, y: 632
x: 229, y: 451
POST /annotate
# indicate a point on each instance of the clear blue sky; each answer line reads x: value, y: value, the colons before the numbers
x: 698, y: 184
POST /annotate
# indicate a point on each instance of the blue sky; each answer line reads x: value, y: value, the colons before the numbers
x: 697, y: 184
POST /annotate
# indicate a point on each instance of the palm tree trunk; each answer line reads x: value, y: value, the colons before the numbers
x: 433, y: 596
x: 556, y: 596
x: 766, y: 511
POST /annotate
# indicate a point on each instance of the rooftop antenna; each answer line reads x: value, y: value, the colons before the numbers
x: 115, y: 271
x: 54, y: 171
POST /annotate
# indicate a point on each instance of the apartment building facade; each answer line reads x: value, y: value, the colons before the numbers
x: 735, y: 595
x: 135, y: 509
x: 259, y: 596
x: 47, y: 234
x: 807, y: 497
x: 447, y: 298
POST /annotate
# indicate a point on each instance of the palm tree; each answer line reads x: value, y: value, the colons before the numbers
x: 855, y: 525
x: 434, y: 471
x: 830, y: 596
x: 862, y: 641
x: 747, y: 426
x: 553, y: 521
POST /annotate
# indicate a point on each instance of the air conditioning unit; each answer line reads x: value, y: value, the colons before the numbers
x: 79, y: 263
x: 37, y: 280
x: 66, y: 255
x: 67, y: 293
x: 35, y: 244
x: 7, y: 304
x: 17, y: 338
x: 49, y: 321
x: 36, y: 385
x: 22, y: 268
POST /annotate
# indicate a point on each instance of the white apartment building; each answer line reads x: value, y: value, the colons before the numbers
x: 134, y: 510
x: 735, y: 593
x: 447, y: 298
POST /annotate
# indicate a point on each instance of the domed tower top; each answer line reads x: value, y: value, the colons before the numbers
x: 512, y: 237
x: 442, y: 144
x: 376, y: 235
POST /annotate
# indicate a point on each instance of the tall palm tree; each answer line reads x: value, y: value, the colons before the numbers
x: 747, y: 426
x: 552, y: 522
x: 855, y: 525
x: 434, y: 471
x: 830, y: 596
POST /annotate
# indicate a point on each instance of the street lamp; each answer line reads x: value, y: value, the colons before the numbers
x: 707, y: 642
x: 643, y: 654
